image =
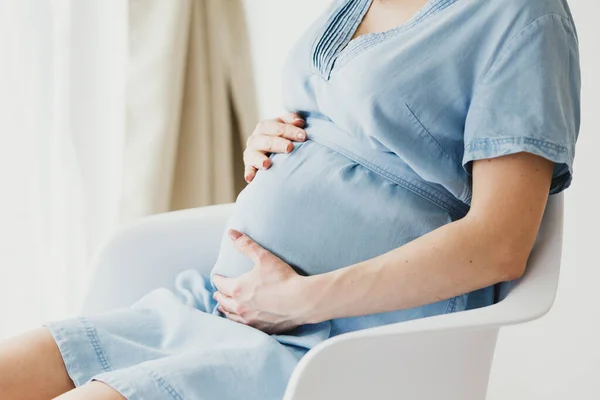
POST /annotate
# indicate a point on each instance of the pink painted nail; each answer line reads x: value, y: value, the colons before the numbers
x: 234, y: 235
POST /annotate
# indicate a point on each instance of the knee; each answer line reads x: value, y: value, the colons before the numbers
x: 31, y: 367
x: 39, y: 342
x: 33, y: 353
x: 92, y: 391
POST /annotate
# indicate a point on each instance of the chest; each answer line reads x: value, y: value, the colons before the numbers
x: 398, y: 87
x: 384, y: 15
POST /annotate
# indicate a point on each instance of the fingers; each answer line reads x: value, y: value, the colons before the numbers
x: 248, y: 247
x: 249, y: 174
x: 294, y: 119
x: 269, y: 144
x: 225, y: 302
x: 274, y: 127
x: 292, y: 132
x: 227, y: 286
x: 231, y: 316
x: 256, y: 159
x: 271, y: 136
x: 228, y: 307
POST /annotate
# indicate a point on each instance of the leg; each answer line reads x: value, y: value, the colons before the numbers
x: 31, y: 367
x: 92, y: 391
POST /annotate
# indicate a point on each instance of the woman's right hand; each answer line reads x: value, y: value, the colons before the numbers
x: 271, y: 136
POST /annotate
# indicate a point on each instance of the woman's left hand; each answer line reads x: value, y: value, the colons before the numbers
x: 270, y: 297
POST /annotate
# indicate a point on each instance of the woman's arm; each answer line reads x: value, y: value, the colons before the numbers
x: 491, y: 244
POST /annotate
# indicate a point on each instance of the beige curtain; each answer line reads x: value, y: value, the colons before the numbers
x: 190, y: 104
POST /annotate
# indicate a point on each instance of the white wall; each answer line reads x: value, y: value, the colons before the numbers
x: 275, y: 25
x: 558, y: 356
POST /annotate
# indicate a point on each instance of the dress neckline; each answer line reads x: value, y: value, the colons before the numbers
x: 334, y: 42
x: 425, y: 7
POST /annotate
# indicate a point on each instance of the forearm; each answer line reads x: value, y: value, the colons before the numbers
x: 457, y: 258
x: 489, y: 245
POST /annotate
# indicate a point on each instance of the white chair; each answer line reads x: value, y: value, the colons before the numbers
x: 444, y: 357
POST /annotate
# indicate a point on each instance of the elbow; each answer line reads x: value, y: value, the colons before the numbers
x: 511, y: 271
x: 511, y: 263
x: 503, y: 251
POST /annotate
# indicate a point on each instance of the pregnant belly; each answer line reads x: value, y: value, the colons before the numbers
x: 319, y: 211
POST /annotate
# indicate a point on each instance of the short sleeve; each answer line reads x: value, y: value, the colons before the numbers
x: 529, y: 100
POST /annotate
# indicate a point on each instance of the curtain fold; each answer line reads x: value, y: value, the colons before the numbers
x: 61, y: 124
x: 109, y: 111
x: 190, y: 105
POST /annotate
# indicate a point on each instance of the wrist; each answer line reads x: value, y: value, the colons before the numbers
x: 315, y: 291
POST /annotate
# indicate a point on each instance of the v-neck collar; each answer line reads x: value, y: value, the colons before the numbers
x: 334, y: 42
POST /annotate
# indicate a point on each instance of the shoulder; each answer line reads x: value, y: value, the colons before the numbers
x: 532, y: 9
x: 524, y: 37
x: 508, y: 20
x: 520, y: 14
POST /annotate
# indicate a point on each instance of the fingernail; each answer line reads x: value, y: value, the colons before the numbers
x: 289, y: 148
x: 301, y: 124
x: 248, y: 178
x: 266, y: 163
x: 301, y: 135
x: 234, y: 235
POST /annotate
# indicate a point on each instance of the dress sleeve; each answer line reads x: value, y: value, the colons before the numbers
x: 529, y: 100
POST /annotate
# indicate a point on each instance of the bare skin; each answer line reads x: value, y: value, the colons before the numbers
x: 457, y: 257
x: 384, y: 15
x: 31, y: 368
x: 92, y: 391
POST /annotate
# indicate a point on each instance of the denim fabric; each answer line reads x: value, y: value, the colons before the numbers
x: 163, y: 349
x: 394, y: 121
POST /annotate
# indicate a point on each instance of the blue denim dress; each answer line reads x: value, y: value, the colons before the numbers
x: 394, y: 121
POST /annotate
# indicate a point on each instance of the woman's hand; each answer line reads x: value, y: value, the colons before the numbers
x: 271, y: 136
x: 271, y: 297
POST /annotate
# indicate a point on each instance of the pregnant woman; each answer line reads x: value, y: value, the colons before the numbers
x: 408, y: 180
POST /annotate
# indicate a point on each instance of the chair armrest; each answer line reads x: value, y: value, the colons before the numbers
x: 455, y: 351
x: 451, y: 364
x: 149, y: 254
x: 442, y: 357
